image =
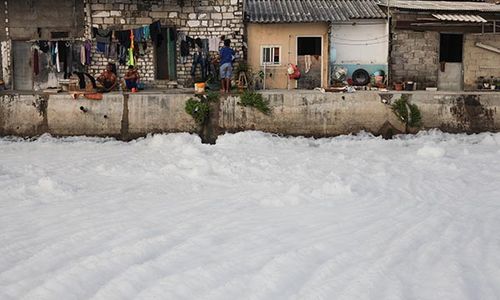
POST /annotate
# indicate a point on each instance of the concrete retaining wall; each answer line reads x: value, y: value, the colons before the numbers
x: 471, y: 113
x: 66, y: 116
x: 22, y: 115
x: 308, y: 113
x: 311, y: 113
x: 149, y: 113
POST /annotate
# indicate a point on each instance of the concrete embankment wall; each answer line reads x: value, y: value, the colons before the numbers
x: 308, y: 113
x: 328, y: 114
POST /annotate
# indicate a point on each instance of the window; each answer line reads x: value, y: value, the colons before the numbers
x: 270, y: 55
x: 451, y: 46
x: 309, y: 46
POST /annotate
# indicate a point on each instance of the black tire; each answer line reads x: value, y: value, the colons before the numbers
x: 360, y: 77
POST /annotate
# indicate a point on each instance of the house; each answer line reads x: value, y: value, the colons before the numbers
x: 22, y: 23
x: 317, y: 36
x: 164, y: 58
x: 451, y: 45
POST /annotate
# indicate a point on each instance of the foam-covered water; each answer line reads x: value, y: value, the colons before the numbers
x: 253, y: 217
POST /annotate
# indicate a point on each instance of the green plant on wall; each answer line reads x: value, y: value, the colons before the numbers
x: 212, y: 96
x: 407, y: 112
x: 255, y: 100
x: 198, y: 110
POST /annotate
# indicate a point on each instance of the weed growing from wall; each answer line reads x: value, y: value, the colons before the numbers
x: 407, y: 112
x: 198, y: 110
x: 212, y: 96
x: 255, y: 100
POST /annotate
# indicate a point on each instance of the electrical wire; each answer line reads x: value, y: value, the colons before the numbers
x: 353, y: 40
x: 360, y: 43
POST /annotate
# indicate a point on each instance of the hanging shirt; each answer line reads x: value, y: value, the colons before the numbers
x: 213, y: 44
x: 122, y: 55
x: 100, y: 47
x: 112, y: 52
x: 138, y: 34
x: 56, y: 51
x: 44, y: 46
x: 131, y: 38
x: 123, y: 37
x: 88, y: 50
x: 82, y: 55
x: 102, y: 35
x: 145, y: 32
x: 52, y: 47
x: 131, y: 57
x: 184, y: 48
x: 155, y: 32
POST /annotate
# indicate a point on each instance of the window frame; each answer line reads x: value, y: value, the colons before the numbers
x: 270, y: 64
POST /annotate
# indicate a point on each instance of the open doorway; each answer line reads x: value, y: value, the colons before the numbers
x: 21, y: 63
x: 450, y: 76
x: 165, y: 55
x: 309, y: 61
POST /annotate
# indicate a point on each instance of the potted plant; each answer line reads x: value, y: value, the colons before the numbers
x: 492, y: 83
x: 398, y: 85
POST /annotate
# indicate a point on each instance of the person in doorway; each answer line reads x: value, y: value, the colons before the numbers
x: 226, y: 66
x: 107, y: 79
x: 131, y: 79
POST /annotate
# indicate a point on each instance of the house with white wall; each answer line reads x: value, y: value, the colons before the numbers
x: 361, y: 44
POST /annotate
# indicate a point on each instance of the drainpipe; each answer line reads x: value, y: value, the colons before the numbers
x: 288, y: 87
x: 388, y: 42
x: 265, y: 75
x: 9, y: 77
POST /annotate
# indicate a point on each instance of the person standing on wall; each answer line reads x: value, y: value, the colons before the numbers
x: 226, y: 66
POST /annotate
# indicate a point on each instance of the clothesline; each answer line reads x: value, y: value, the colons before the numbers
x: 58, y: 40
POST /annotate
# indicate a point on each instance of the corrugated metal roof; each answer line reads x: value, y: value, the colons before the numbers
x: 302, y: 11
x: 460, y: 18
x: 442, y: 5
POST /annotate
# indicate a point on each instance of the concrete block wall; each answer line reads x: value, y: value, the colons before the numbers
x: 415, y: 57
x: 195, y: 18
x: 480, y: 62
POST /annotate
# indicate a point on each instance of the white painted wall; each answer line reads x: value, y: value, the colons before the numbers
x: 365, y: 42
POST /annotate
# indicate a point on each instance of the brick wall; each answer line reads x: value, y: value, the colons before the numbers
x: 203, y: 19
x: 415, y: 57
x: 478, y: 61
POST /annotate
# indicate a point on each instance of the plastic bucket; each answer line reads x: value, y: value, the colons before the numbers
x: 199, y: 88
